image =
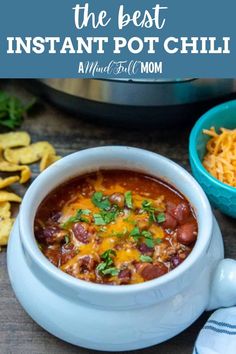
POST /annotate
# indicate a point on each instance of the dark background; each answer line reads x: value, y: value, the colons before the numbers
x: 68, y: 133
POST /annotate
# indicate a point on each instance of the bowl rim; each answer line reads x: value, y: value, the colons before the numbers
x: 196, y: 130
x: 30, y: 245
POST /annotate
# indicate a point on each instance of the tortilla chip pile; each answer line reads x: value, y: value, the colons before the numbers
x: 16, y: 153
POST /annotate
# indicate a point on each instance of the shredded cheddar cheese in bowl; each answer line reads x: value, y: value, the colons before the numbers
x: 220, y: 159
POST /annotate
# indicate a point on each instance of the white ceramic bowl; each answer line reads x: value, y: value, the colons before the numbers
x: 118, y: 318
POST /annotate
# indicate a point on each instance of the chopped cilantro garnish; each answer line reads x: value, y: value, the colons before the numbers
x: 103, y: 229
x: 161, y: 217
x: 101, y: 267
x: 146, y: 234
x: 151, y: 210
x: 69, y: 221
x: 144, y: 258
x: 107, y: 214
x: 135, y: 233
x: 67, y: 239
x: 77, y: 217
x: 149, y: 240
x: 113, y: 271
x: 105, y: 217
x: 98, y: 219
x: 110, y: 216
x: 106, y: 267
x: 86, y: 211
x: 147, y: 206
x: 107, y: 254
x: 100, y: 201
x: 120, y: 234
x: 128, y: 199
x: 129, y: 220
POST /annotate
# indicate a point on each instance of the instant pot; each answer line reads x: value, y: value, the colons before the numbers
x: 156, y: 101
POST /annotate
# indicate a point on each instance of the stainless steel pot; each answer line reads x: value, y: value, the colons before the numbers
x: 157, y: 101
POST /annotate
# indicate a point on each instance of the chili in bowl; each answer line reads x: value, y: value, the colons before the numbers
x: 115, y: 227
x: 116, y: 248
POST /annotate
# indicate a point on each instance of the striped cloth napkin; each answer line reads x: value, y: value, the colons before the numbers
x: 218, y: 336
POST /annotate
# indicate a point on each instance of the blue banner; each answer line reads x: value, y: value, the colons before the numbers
x: 118, y: 39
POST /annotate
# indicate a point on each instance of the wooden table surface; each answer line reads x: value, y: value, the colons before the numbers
x: 19, y: 334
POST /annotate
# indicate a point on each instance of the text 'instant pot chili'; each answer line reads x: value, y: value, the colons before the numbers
x: 115, y: 227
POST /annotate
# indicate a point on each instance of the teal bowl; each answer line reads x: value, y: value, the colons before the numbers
x: 220, y: 194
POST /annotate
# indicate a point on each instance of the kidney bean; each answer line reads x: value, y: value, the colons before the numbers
x: 87, y: 264
x: 144, y: 249
x: 65, y: 257
x: 139, y: 266
x: 175, y: 261
x: 55, y: 215
x: 170, y: 207
x: 49, y: 235
x: 117, y: 199
x: 151, y: 271
x: 49, y: 231
x: 170, y: 221
x: 181, y: 212
x: 124, y: 276
x: 187, y: 234
x: 175, y: 214
x: 67, y: 252
x: 53, y: 255
x: 80, y: 233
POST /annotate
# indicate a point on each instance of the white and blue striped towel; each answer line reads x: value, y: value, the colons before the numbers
x: 218, y: 336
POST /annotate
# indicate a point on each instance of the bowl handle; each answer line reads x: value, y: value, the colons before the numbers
x: 223, y: 286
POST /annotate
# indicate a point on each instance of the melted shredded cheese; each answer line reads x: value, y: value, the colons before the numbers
x: 126, y: 256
